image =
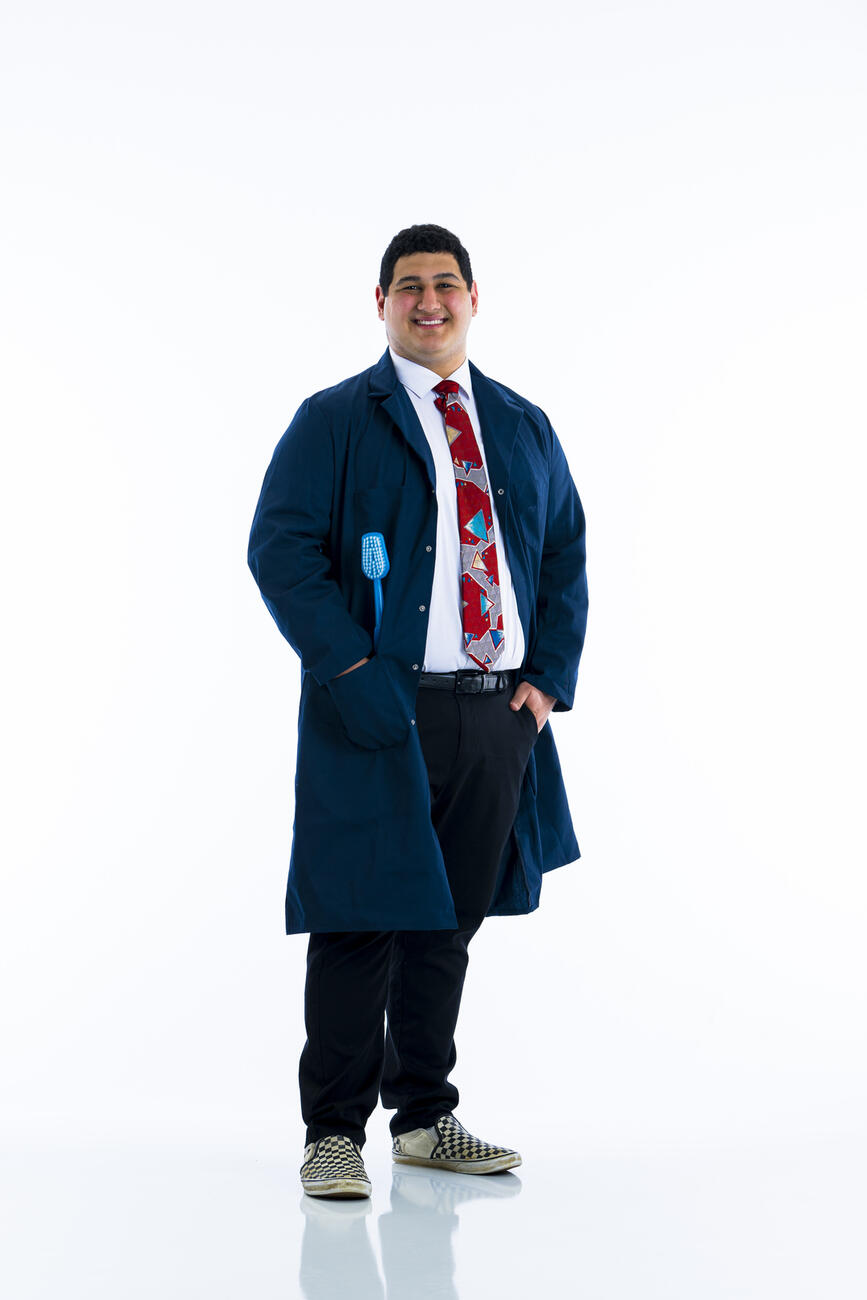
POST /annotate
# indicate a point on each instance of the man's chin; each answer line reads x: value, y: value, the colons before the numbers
x: 430, y: 353
x: 426, y: 352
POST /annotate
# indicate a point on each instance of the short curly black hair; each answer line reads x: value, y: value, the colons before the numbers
x: 423, y: 239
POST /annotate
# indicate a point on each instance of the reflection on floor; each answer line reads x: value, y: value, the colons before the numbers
x: 415, y: 1236
x: 681, y: 1222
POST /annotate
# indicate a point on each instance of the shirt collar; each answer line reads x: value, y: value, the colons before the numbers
x: 419, y: 380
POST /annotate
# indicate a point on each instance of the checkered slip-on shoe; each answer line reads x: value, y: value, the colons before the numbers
x: 448, y: 1145
x: 333, y: 1167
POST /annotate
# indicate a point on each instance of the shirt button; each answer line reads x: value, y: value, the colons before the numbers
x: 421, y: 609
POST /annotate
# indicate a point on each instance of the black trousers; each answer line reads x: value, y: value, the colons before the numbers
x: 476, y: 749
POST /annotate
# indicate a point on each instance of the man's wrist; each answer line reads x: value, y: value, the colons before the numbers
x: 365, y: 660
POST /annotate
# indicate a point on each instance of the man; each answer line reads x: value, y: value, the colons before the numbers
x: 428, y: 792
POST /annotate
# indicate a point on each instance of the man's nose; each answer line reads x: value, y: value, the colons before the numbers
x: 429, y: 300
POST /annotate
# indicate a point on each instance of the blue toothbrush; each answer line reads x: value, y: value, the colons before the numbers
x: 374, y: 564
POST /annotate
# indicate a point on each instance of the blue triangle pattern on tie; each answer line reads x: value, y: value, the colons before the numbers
x: 476, y: 525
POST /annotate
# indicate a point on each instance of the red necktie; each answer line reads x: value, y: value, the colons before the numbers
x: 480, y: 578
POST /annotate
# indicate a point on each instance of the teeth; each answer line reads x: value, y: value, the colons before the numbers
x: 431, y: 322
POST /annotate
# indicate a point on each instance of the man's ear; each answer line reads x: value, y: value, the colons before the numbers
x: 380, y: 303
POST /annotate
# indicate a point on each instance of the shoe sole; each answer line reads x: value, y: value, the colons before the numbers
x: 492, y: 1166
x: 336, y: 1187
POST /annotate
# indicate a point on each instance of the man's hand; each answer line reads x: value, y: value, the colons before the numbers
x: 539, y: 704
x: 365, y: 660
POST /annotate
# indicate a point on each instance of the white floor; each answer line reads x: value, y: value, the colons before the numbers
x: 126, y: 1222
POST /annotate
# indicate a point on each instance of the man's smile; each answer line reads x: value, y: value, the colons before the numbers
x: 431, y: 321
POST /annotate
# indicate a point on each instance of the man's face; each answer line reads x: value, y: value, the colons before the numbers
x: 428, y: 310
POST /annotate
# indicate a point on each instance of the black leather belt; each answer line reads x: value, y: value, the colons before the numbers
x: 470, y: 681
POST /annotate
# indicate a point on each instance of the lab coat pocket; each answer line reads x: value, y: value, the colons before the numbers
x: 371, y: 709
x: 376, y: 510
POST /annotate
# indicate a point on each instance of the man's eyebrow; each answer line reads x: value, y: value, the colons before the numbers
x: 414, y: 278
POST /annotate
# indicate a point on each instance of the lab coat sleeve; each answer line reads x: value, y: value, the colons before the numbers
x: 561, y: 606
x: 288, y: 551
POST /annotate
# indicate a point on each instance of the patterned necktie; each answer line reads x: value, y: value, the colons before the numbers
x: 480, y: 579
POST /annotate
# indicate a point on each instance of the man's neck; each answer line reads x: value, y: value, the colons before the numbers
x: 449, y: 367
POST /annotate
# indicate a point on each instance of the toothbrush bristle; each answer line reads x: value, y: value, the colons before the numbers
x: 374, y: 558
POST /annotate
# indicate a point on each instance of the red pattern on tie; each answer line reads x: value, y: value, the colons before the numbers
x: 482, y: 614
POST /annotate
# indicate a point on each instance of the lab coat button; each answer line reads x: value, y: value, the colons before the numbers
x: 415, y: 667
x: 421, y: 609
x: 500, y: 491
x: 412, y: 722
x: 427, y: 548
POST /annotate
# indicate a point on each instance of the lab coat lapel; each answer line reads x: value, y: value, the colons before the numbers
x: 384, y: 384
x: 499, y: 418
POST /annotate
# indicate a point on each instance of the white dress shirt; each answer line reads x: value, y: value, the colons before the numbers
x: 444, y: 648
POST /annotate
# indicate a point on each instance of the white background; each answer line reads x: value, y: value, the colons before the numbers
x: 665, y: 205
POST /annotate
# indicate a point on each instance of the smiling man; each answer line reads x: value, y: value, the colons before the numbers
x: 428, y: 791
x: 427, y: 311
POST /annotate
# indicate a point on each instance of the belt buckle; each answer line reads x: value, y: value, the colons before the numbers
x: 463, y: 678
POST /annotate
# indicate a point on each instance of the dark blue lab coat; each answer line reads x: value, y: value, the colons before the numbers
x: 355, y: 459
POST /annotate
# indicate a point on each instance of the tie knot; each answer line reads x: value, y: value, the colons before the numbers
x: 446, y: 386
